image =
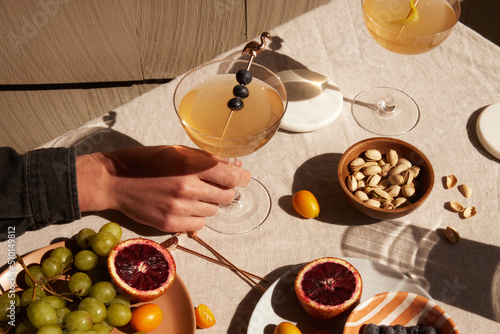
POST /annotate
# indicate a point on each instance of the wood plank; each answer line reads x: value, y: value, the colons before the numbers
x: 171, y: 44
x: 265, y: 15
x: 62, y: 41
x: 482, y: 17
x: 30, y: 118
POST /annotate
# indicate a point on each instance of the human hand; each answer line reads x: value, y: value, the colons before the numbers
x: 172, y: 188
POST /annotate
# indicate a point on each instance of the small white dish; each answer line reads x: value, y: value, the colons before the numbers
x: 488, y: 129
x: 314, y: 101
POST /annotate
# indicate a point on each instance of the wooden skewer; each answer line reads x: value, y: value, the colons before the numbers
x: 198, y: 239
x: 168, y: 244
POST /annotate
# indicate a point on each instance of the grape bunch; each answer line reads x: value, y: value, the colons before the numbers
x: 398, y: 329
x: 69, y: 292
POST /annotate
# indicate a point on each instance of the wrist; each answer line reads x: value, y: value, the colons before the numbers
x: 93, y: 182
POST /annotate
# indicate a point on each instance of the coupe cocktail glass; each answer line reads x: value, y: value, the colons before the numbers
x: 200, y: 101
x: 399, y: 28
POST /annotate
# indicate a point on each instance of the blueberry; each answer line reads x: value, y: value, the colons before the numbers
x: 235, y: 103
x: 371, y: 329
x: 243, y: 77
x: 399, y: 329
x: 428, y: 330
x: 413, y: 330
x: 240, y: 91
x: 388, y: 330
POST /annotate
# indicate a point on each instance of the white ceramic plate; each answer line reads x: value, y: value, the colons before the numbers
x: 279, y: 303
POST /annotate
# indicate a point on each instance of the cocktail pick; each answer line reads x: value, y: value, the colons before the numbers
x: 173, y: 242
x: 253, y: 47
x: 199, y: 240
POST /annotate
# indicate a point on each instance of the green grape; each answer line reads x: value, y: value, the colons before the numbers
x: 36, y: 272
x: 104, y: 291
x: 51, y: 267
x: 41, y: 313
x: 55, y: 301
x: 62, y: 313
x: 120, y: 300
x: 25, y: 327
x: 84, y: 237
x: 80, y: 284
x: 50, y: 329
x: 78, y: 320
x: 107, y: 324
x: 114, y: 228
x: 9, y: 296
x: 63, y: 254
x: 99, y: 329
x: 118, y: 314
x: 4, y: 310
x: 28, y: 293
x: 86, y: 260
x: 103, y: 242
x: 95, y: 308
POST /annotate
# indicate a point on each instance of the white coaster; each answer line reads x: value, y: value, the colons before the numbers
x: 488, y: 129
x: 314, y: 101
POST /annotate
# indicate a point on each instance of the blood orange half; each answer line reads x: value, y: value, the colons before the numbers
x: 328, y: 288
x: 141, y: 269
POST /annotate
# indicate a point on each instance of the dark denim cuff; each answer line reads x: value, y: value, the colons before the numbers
x: 37, y: 189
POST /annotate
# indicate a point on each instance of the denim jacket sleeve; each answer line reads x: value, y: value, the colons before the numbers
x: 37, y: 189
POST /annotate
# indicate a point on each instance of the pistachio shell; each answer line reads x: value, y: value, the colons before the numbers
x: 408, y: 176
x: 361, y: 184
x: 407, y: 191
x: 393, y: 190
x: 465, y: 190
x: 373, y: 202
x: 372, y: 170
x: 469, y: 212
x: 451, y: 234
x: 352, y: 183
x: 387, y: 205
x: 400, y: 201
x: 455, y: 206
x: 415, y: 170
x: 385, y: 170
x: 451, y: 181
x: 358, y: 175
x: 361, y: 195
x: 384, y: 183
x: 396, y: 179
x: 373, y: 155
x: 392, y: 157
x: 398, y: 169
x: 403, y: 161
x: 381, y: 194
x: 373, y: 180
x: 356, y: 164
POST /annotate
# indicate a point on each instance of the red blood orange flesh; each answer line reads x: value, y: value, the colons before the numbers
x: 328, y: 288
x: 142, y: 269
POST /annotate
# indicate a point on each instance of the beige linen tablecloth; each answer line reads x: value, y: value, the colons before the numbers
x: 452, y: 85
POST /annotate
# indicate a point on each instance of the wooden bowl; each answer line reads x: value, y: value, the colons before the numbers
x: 404, y: 150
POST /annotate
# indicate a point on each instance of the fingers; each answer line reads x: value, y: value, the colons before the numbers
x: 226, y: 176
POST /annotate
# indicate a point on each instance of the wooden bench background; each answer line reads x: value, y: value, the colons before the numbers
x: 65, y: 62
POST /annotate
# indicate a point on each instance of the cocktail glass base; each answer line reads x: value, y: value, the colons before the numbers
x: 385, y: 111
x: 248, y: 211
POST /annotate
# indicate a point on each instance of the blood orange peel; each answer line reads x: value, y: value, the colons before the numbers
x: 141, y: 269
x: 328, y: 288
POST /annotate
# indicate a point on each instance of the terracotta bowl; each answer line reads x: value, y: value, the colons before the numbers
x: 404, y: 150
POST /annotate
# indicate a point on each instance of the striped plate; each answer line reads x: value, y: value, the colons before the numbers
x: 398, y: 307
